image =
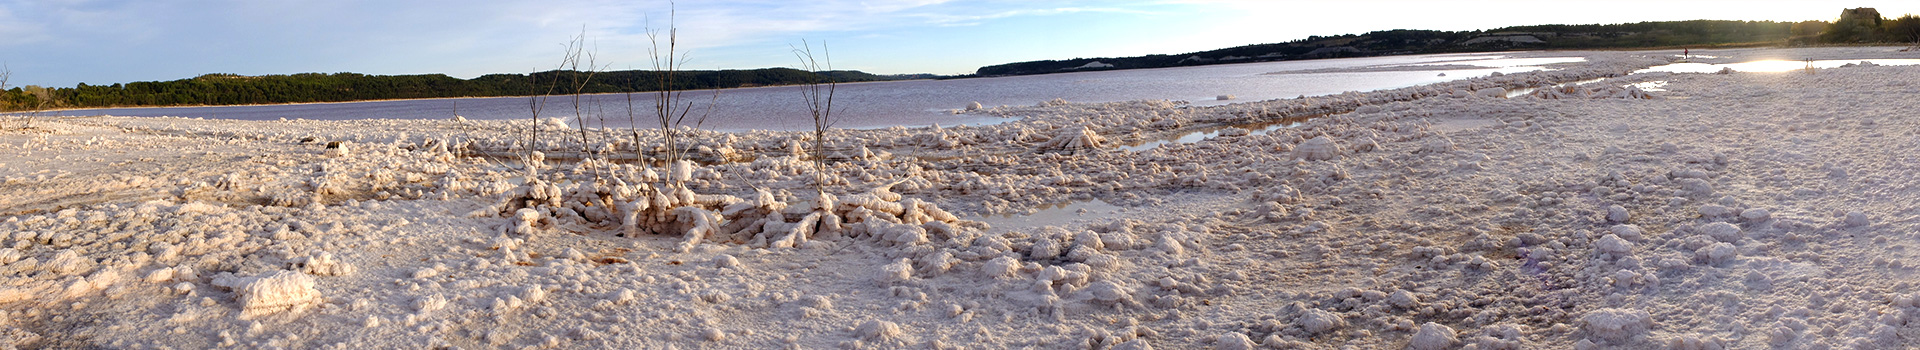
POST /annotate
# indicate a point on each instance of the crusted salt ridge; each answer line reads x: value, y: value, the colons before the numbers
x: 277, y: 292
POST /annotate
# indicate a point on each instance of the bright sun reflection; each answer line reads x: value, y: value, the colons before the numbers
x: 1770, y: 65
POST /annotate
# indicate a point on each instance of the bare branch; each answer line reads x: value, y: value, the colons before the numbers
x: 819, y: 106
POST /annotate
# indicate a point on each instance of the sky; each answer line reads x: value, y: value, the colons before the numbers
x: 65, y: 42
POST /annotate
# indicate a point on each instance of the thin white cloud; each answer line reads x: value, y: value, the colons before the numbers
x: 967, y: 20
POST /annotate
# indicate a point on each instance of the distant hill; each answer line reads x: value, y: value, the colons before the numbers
x: 232, y: 89
x: 1405, y: 41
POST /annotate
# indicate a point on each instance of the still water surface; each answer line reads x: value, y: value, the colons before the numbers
x: 926, y: 102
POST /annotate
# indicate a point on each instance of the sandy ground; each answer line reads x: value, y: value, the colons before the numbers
x: 1742, y: 210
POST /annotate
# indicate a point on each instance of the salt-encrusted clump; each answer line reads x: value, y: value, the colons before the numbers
x: 1717, y: 253
x: 1713, y: 210
x: 1756, y: 214
x: 1069, y: 139
x: 1616, y: 324
x: 429, y: 303
x: 1696, y: 187
x: 726, y: 261
x: 1320, y: 321
x: 289, y: 197
x: 1723, y: 232
x: 1628, y: 232
x: 1001, y: 267
x: 67, y: 262
x: 1614, y: 245
x: 528, y: 221
x: 1617, y: 213
x: 1136, y: 344
x: 878, y: 330
x: 898, y: 271
x: 1110, y: 293
x: 1433, y: 336
x: 324, y: 264
x: 281, y: 291
x: 1403, y: 299
x: 1318, y: 148
x: 1233, y: 341
x: 1438, y: 144
x: 1856, y: 219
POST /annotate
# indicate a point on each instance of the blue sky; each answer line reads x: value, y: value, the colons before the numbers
x: 63, y: 42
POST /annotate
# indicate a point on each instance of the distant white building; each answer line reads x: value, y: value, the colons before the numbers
x: 1094, y: 64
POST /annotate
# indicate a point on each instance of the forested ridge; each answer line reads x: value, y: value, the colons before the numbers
x: 231, y: 89
x: 1855, y: 26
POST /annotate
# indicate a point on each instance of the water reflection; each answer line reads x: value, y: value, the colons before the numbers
x: 1524, y: 91
x: 917, y: 102
x: 1770, y: 66
x: 1057, y: 214
x: 1207, y: 133
x: 1656, y: 85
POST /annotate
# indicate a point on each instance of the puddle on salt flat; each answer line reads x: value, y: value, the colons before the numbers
x: 1656, y: 85
x: 1059, y: 214
x: 1771, y: 65
x: 1203, y: 134
x: 1515, y: 93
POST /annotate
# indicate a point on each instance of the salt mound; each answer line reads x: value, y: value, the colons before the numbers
x: 1320, y: 321
x: 877, y: 330
x: 1136, y: 344
x: 1004, y: 266
x: 1074, y: 139
x: 1110, y: 293
x: 1613, y: 244
x: 1433, y: 336
x: 1617, y: 213
x: 67, y: 262
x: 1716, y: 254
x: 283, y: 291
x: 1628, y: 232
x: 1493, y: 92
x: 1233, y: 341
x: 1712, y: 210
x: 725, y: 261
x: 1856, y: 219
x: 1616, y: 324
x: 1318, y: 148
x: 324, y: 264
x: 899, y: 271
x: 1723, y: 232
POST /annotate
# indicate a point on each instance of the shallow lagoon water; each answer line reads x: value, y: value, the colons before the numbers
x: 921, y: 102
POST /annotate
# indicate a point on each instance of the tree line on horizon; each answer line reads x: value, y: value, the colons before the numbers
x: 232, y: 89
x: 1855, y: 26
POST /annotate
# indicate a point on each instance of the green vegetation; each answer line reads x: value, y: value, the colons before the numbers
x: 1855, y: 26
x: 230, y: 89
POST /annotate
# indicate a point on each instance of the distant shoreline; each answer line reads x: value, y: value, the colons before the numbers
x: 409, y: 99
